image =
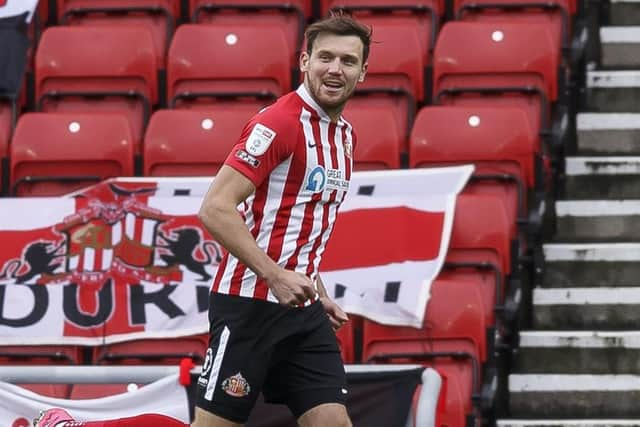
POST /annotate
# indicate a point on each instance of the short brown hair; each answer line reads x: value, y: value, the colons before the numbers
x: 340, y: 24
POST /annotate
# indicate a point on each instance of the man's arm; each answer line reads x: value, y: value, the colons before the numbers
x: 219, y: 214
x: 336, y: 315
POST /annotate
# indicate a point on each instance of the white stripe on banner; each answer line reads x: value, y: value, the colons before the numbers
x: 18, y: 7
x: 116, y: 233
x: 107, y: 258
x: 129, y: 225
x: 165, y: 396
x: 148, y: 226
x: 24, y: 213
x: 89, y: 260
x: 217, y: 363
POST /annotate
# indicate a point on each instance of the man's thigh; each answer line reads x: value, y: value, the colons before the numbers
x: 310, y: 373
x: 327, y: 414
x: 238, y: 358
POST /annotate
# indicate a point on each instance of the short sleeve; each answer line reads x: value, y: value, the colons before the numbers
x: 263, y: 144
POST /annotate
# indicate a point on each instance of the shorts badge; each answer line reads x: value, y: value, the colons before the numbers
x: 236, y: 386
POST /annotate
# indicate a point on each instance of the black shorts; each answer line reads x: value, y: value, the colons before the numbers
x: 291, y: 355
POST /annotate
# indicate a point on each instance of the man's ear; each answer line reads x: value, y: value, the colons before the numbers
x: 363, y: 73
x: 304, y: 62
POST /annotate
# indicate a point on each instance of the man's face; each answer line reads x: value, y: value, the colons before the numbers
x: 333, y: 69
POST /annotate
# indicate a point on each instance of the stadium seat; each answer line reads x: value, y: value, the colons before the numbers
x: 423, y: 16
x: 380, y: 142
x: 236, y: 62
x: 193, y: 142
x: 290, y: 17
x: 152, y: 351
x: 486, y: 63
x: 58, y: 391
x: 158, y: 16
x: 499, y: 141
x: 40, y: 355
x: 452, y: 341
x: 98, y: 69
x: 395, y: 77
x: 483, y: 244
x: 346, y: 336
x: 79, y: 150
x: 95, y: 391
x: 556, y: 14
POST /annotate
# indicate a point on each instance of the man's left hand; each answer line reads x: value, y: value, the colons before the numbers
x: 335, y: 313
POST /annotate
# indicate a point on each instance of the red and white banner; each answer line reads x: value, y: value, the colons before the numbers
x: 19, y: 406
x: 128, y: 258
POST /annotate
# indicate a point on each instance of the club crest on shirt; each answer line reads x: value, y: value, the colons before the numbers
x: 259, y: 139
x: 236, y: 386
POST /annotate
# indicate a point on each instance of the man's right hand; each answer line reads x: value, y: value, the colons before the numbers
x: 291, y: 288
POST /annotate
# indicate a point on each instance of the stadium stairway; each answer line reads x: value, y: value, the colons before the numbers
x: 579, y: 363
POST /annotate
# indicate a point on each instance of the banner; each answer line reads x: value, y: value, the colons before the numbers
x: 19, y: 406
x: 379, y: 395
x: 128, y: 258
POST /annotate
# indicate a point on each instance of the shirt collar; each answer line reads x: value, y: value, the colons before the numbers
x: 308, y: 99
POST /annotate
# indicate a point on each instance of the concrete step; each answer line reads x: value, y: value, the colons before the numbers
x: 598, y: 220
x: 591, y: 264
x: 586, y: 308
x: 568, y: 423
x: 579, y: 352
x: 574, y: 396
x: 608, y: 133
x: 613, y: 91
x: 602, y: 177
x: 620, y: 46
x: 624, y: 12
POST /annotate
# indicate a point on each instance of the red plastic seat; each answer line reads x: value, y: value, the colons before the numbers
x: 380, y: 141
x: 423, y: 16
x: 499, y: 141
x: 192, y: 142
x: 452, y: 341
x: 79, y: 150
x: 156, y: 351
x: 555, y: 13
x: 237, y: 61
x: 157, y: 16
x: 58, y: 391
x: 98, y: 69
x: 290, y: 17
x: 95, y: 391
x: 40, y: 355
x: 488, y: 63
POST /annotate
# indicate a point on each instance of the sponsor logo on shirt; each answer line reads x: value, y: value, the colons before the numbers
x: 259, y: 139
x: 316, y: 180
x: 247, y: 158
x: 336, y: 181
x: 236, y: 386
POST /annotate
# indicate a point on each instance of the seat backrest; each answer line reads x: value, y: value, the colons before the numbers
x: 96, y: 59
x: 157, y: 16
x: 380, y: 142
x: 166, y: 351
x: 494, y: 138
x: 393, y: 68
x: 40, y: 355
x: 192, y: 142
x: 454, y: 321
x: 235, y: 59
x: 422, y: 15
x: 489, y: 54
x: 55, y: 153
x: 290, y: 17
x: 483, y: 229
x: 304, y: 6
x: 555, y: 13
x: 5, y: 135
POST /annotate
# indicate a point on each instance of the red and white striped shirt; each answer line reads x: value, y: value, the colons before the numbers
x: 300, y: 163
